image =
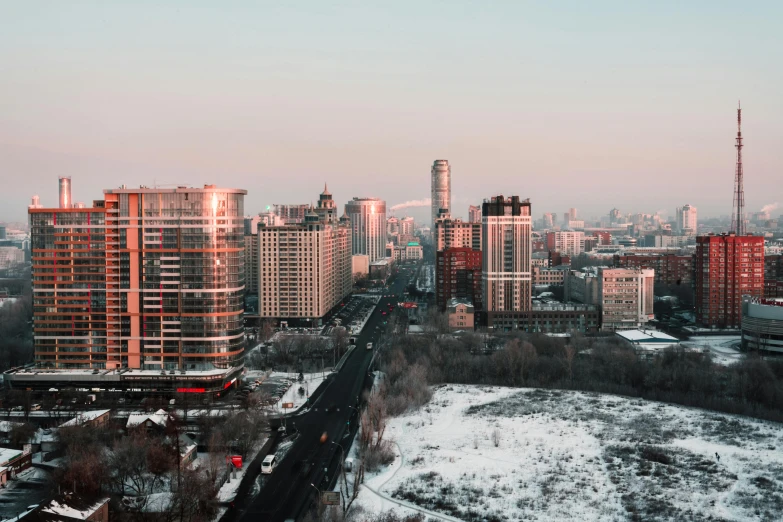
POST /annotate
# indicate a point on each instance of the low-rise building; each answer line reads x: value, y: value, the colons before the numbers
x: 548, y: 318
x: 581, y: 286
x: 461, y: 314
x: 13, y: 462
x: 554, y: 276
x: 648, y: 340
x: 360, y: 265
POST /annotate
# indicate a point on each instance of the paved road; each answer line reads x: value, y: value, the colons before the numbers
x: 288, y: 491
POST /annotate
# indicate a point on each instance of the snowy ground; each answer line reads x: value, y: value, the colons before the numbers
x: 577, y: 456
x: 229, y: 489
x: 724, y: 348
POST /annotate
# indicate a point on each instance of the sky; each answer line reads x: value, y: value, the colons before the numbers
x: 592, y: 105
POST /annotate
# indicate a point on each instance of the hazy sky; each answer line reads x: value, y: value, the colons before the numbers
x: 586, y: 104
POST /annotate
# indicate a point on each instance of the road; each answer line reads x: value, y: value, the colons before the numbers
x: 289, y: 491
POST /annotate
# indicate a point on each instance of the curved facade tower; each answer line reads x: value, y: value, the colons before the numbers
x: 441, y: 188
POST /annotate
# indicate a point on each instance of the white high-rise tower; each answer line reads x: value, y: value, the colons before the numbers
x: 441, y: 188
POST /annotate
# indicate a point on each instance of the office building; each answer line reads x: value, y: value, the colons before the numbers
x: 506, y: 253
x: 455, y: 233
x: 670, y: 269
x: 305, y: 269
x: 458, y: 275
x: 407, y: 226
x: 727, y: 267
x: 368, y: 226
x: 581, y: 286
x: 145, y: 280
x: 474, y: 214
x: 626, y: 297
x: 11, y: 256
x: 686, y: 221
x: 441, y: 188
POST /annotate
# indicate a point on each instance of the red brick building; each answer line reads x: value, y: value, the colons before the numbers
x: 670, y: 269
x: 604, y: 238
x: 458, y: 274
x: 727, y: 267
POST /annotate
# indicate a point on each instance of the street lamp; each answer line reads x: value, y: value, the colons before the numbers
x: 318, y: 490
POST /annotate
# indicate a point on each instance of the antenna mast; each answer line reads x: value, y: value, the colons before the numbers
x: 738, y: 214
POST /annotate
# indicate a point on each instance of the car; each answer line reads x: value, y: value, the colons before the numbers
x: 268, y: 464
x: 35, y: 407
x: 17, y: 408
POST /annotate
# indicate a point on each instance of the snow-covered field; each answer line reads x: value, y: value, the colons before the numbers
x: 480, y: 453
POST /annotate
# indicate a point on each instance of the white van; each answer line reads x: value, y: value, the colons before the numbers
x: 369, y: 346
x: 268, y: 464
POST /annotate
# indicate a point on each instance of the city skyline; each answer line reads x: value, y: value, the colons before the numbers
x: 535, y: 94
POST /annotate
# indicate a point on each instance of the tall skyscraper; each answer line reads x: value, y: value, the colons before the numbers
x: 727, y: 267
x: 474, y: 214
x: 146, y: 279
x: 305, y: 268
x: 65, y: 192
x: 441, y: 188
x: 686, y: 220
x: 368, y: 226
x: 549, y: 220
x: 506, y: 247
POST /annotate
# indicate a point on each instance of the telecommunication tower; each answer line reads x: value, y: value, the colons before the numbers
x: 738, y: 210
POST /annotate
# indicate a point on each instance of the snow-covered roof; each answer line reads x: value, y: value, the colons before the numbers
x: 648, y: 337
x: 84, y: 417
x: 7, y: 454
x: 77, y: 510
x: 160, y: 417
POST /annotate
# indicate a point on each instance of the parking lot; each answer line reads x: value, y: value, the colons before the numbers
x: 352, y: 314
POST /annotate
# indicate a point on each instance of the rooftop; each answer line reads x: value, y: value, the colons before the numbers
x: 647, y: 336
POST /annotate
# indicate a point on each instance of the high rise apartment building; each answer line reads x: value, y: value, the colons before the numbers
x: 458, y: 275
x: 686, y: 220
x: 727, y: 267
x: 548, y: 220
x: 145, y: 279
x: 455, y: 233
x: 305, y: 268
x: 368, y: 226
x: 441, y: 188
x: 506, y: 249
x: 392, y: 226
x: 407, y: 226
x: 474, y: 214
x: 567, y: 243
x: 626, y: 297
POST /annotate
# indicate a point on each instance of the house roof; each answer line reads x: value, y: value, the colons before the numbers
x: 8, y: 454
x: 84, y: 417
x: 160, y: 418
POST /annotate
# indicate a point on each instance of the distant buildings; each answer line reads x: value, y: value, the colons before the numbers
x: 727, y: 267
x: 567, y: 243
x: 626, y: 297
x: 686, y: 220
x: 306, y: 268
x: 441, y: 187
x: 458, y: 275
x: 291, y: 213
x: 581, y: 286
x: 474, y: 214
x: 368, y: 226
x: 506, y: 249
x: 10, y: 256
